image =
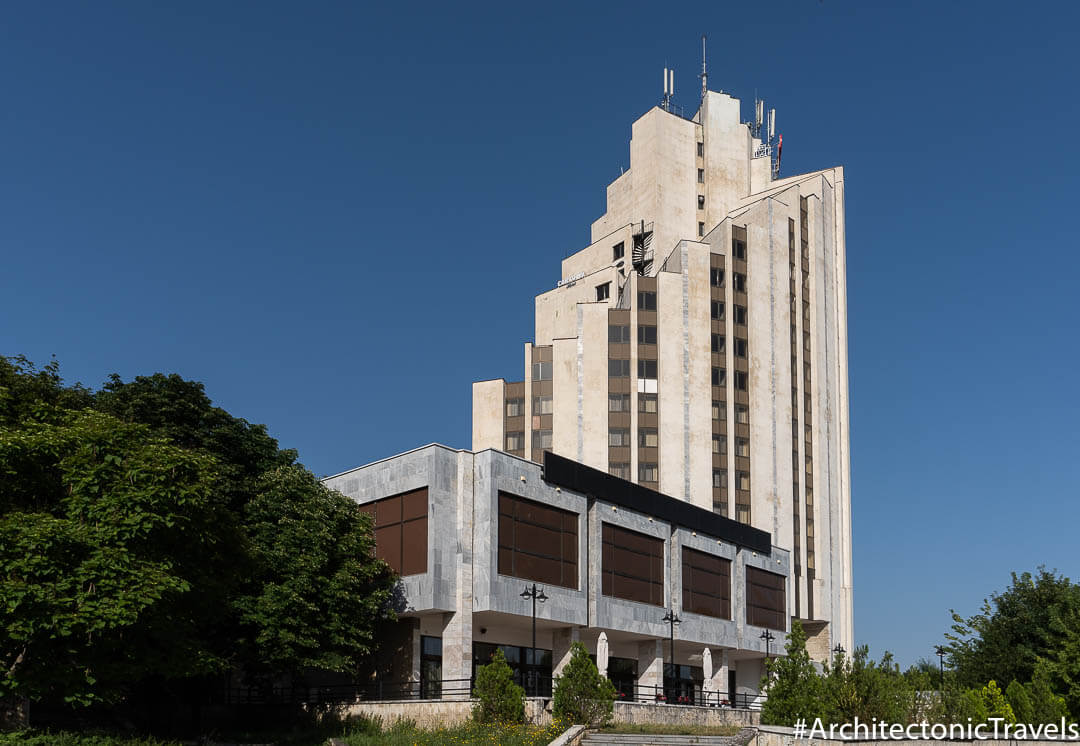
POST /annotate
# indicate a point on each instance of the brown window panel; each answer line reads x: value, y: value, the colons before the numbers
x: 766, y: 599
x: 706, y: 584
x: 632, y: 566
x: 401, y: 530
x: 537, y: 542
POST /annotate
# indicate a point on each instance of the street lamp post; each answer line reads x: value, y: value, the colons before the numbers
x: 768, y: 637
x: 535, y: 595
x: 672, y: 620
x: 838, y: 651
x: 940, y: 651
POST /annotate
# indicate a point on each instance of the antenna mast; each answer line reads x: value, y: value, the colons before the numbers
x: 704, y: 75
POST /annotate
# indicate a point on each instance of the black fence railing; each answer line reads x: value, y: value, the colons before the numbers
x: 346, y: 693
x: 688, y: 695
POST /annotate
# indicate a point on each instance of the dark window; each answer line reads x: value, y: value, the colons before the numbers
x: 740, y: 380
x: 742, y: 447
x: 542, y: 405
x: 648, y: 437
x: 537, y: 542
x: 632, y: 566
x: 430, y: 667
x: 740, y: 315
x: 765, y: 599
x: 620, y: 470
x: 718, y: 343
x: 647, y: 403
x: 603, y: 292
x: 701, y: 176
x: 717, y: 310
x: 646, y: 369
x: 618, y: 437
x: 619, y: 368
x: 738, y: 281
x: 618, y: 250
x: 719, y: 443
x: 515, y: 441
x: 648, y: 472
x: 542, y: 439
x: 401, y: 530
x: 719, y: 376
x: 515, y: 407
x: 719, y: 410
x: 701, y: 150
x: 701, y: 202
x: 719, y: 478
x: 716, y: 277
x: 535, y: 676
x: 742, y: 414
x: 646, y: 335
x: 738, y: 248
x: 618, y: 402
x: 541, y: 371
x: 619, y: 334
x: 740, y: 348
x: 706, y: 584
x: 646, y: 301
x: 700, y: 229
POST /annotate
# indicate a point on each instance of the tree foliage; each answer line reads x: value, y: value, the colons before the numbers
x: 581, y: 694
x: 793, y: 684
x: 498, y: 698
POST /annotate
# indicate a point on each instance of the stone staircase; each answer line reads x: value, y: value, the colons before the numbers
x: 599, y: 739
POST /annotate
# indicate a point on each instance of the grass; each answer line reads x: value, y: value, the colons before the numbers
x: 673, y: 730
x: 68, y: 738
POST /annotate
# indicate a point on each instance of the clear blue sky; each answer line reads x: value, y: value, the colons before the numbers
x: 301, y: 205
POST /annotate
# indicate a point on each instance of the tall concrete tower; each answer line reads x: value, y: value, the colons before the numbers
x: 698, y: 346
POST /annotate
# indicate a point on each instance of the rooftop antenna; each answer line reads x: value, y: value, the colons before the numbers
x: 669, y: 89
x: 704, y: 74
x: 759, y: 116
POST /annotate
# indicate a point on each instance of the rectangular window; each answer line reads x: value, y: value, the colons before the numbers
x: 542, y: 405
x: 717, y: 310
x: 646, y: 369
x: 742, y: 480
x: 719, y: 376
x: 742, y: 414
x: 618, y: 437
x: 648, y: 472
x: 647, y: 403
x: 618, y: 251
x: 742, y: 447
x: 648, y: 438
x: 701, y: 176
x: 618, y: 402
x: 515, y: 441
x: 719, y: 410
x: 542, y: 439
x: 719, y: 443
x: 618, y: 334
x: 619, y: 368
x: 738, y: 281
x: 742, y: 513
x: 646, y: 335
x: 740, y: 347
x: 740, y: 380
x: 700, y: 229
x: 718, y: 343
x: 631, y: 565
x: 740, y: 315
x: 620, y: 470
x: 537, y: 542
x: 646, y: 301
x: 716, y: 277
x: 541, y: 371
x: 701, y: 202
x: 401, y: 530
x: 701, y: 150
x: 719, y: 478
x: 603, y: 292
x: 706, y: 584
x: 766, y: 599
x: 515, y: 407
x: 738, y: 248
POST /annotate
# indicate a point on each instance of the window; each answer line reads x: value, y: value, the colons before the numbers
x: 647, y: 472
x: 739, y: 282
x: 646, y: 335
x: 701, y: 176
x: 537, y: 542
x: 719, y: 410
x: 718, y: 343
x: 618, y: 334
x: 716, y: 277
x: 701, y: 150
x: 701, y: 202
x: 742, y: 447
x: 648, y: 438
x: 647, y: 403
x: 740, y: 315
x: 742, y: 513
x: 515, y: 441
x: 646, y: 369
x: 618, y: 437
x: 719, y: 443
x: 740, y: 347
x: 742, y: 414
x: 620, y: 470
x: 631, y: 565
x: 742, y: 480
x: 618, y: 251
x: 401, y: 530
x: 719, y: 376
x: 646, y: 301
x: 740, y: 380
x: 717, y: 310
x: 700, y: 229
x: 603, y: 292
x: 541, y: 405
x: 619, y: 368
x: 618, y: 402
x: 706, y: 584
x: 541, y: 371
x: 542, y: 440
x: 719, y: 478
x: 515, y: 407
x: 738, y: 248
x: 765, y: 599
x: 430, y: 667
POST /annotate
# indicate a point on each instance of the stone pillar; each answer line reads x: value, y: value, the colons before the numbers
x: 458, y: 631
x: 561, y: 639
x: 720, y: 675
x: 650, y: 668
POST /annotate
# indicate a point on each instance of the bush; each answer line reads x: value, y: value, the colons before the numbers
x: 500, y: 699
x: 582, y: 695
x: 793, y: 685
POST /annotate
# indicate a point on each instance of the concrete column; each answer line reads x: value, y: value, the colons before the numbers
x: 458, y: 632
x: 721, y: 666
x: 561, y: 639
x: 651, y: 666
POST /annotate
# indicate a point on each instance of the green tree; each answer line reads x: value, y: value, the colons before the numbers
x: 581, y: 694
x: 996, y: 704
x: 792, y: 683
x: 318, y: 590
x: 1046, y: 705
x: 859, y: 687
x: 1020, y: 701
x: 499, y: 699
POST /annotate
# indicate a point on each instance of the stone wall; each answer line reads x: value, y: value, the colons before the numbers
x: 637, y: 713
x: 429, y: 714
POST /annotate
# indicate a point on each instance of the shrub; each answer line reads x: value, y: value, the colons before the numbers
x: 582, y: 695
x: 793, y: 685
x: 499, y: 698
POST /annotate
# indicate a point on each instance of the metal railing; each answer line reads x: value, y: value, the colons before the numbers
x: 372, y: 691
x: 685, y: 695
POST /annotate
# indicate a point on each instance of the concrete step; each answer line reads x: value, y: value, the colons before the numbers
x: 596, y: 739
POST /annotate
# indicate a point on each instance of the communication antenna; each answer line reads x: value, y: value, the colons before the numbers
x: 772, y: 124
x: 759, y: 115
x: 669, y: 89
x: 704, y: 75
